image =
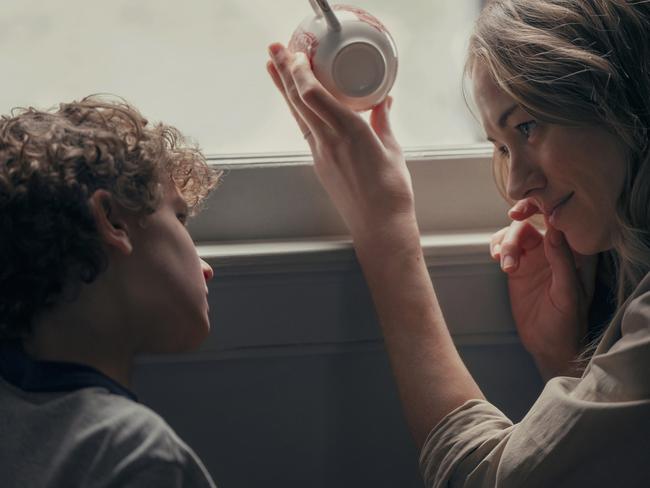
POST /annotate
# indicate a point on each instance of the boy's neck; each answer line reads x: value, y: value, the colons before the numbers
x: 79, y: 343
x: 117, y: 368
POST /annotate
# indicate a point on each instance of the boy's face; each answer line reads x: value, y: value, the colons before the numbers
x: 165, y: 281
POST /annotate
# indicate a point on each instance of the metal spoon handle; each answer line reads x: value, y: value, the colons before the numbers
x: 322, y: 7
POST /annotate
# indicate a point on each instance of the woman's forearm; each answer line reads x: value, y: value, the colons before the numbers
x: 363, y: 169
x: 431, y: 377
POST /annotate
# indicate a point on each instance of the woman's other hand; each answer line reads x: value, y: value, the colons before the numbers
x: 361, y: 166
x: 550, y: 286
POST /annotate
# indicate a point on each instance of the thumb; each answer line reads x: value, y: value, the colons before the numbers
x: 565, y: 283
x: 380, y: 122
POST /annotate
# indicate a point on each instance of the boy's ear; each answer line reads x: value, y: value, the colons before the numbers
x: 111, y: 221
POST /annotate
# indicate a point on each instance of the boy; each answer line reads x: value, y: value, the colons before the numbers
x: 96, y: 266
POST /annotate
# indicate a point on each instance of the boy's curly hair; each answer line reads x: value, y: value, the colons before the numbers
x: 51, y: 162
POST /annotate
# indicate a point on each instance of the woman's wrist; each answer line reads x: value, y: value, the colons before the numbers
x: 394, y: 233
x: 558, y: 363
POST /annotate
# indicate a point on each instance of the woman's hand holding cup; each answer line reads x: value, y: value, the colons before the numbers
x: 361, y: 166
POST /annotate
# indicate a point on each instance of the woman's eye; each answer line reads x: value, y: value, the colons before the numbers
x: 527, y: 127
x: 182, y: 218
x: 503, y: 150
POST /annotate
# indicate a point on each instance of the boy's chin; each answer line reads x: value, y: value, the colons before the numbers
x: 182, y: 343
x: 193, y: 342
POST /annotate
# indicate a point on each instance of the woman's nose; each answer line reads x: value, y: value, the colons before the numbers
x: 524, y: 177
x: 208, y: 273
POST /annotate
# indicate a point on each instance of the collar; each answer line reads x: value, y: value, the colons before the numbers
x: 23, y: 372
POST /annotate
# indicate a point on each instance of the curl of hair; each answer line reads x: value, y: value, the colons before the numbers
x: 51, y: 162
x: 581, y: 63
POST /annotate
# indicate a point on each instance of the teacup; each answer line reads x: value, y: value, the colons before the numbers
x: 351, y: 53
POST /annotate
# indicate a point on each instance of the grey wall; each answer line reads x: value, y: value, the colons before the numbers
x: 293, y: 387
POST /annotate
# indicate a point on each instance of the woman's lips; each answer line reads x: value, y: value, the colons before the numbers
x: 555, y: 211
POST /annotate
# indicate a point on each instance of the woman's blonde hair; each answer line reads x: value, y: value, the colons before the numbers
x: 581, y: 63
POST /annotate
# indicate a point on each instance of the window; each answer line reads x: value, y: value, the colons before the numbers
x: 200, y: 65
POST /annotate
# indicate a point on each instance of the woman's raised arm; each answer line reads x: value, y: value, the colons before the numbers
x: 363, y: 170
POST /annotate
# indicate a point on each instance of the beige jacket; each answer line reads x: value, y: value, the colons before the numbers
x: 591, y: 431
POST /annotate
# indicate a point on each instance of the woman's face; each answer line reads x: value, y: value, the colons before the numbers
x: 573, y: 175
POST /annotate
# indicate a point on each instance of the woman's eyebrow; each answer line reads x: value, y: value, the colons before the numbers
x: 503, y: 119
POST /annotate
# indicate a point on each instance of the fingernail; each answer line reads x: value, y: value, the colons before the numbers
x: 517, y: 211
x: 274, y: 49
x: 507, y: 262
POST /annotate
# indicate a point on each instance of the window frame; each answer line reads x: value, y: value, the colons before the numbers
x: 271, y: 207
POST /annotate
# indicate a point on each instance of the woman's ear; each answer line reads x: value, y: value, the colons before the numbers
x: 111, y: 222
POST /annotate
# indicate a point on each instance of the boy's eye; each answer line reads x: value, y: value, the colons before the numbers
x: 527, y: 127
x: 182, y: 218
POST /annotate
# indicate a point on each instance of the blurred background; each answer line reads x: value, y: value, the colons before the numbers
x: 200, y: 65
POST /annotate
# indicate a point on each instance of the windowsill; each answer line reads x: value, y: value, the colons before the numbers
x: 425, y: 153
x: 442, y: 248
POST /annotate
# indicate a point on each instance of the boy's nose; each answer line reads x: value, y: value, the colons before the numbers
x: 208, y: 273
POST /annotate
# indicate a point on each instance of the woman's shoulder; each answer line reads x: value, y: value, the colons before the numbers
x: 643, y: 286
x: 636, y: 316
x: 620, y: 368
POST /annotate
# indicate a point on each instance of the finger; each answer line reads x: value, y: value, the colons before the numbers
x: 380, y: 123
x: 282, y: 60
x: 564, y: 283
x: 519, y: 238
x: 529, y: 236
x: 523, y: 209
x: 495, y: 243
x: 270, y: 67
x: 319, y: 100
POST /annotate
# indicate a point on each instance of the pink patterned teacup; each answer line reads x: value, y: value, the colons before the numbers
x: 351, y: 53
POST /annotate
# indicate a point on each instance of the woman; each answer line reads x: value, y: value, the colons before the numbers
x: 563, y: 92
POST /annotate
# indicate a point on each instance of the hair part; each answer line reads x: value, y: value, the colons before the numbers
x: 51, y: 162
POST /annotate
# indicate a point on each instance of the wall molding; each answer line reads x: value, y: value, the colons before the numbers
x: 311, y: 254
x: 308, y: 297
